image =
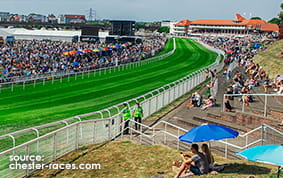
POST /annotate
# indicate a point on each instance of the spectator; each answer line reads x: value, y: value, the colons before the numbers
x: 200, y: 166
x: 266, y: 84
x: 208, y: 103
x: 207, y: 153
x: 281, y: 124
x: 227, y: 104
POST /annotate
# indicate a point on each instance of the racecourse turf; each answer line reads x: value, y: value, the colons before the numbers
x: 53, y: 102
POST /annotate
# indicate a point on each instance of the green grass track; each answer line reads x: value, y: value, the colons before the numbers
x: 44, y: 104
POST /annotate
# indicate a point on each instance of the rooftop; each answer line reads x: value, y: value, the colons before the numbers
x: 184, y: 22
x: 239, y: 21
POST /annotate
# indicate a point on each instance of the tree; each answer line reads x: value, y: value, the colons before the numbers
x: 255, y: 18
x: 281, y: 6
x: 163, y: 30
x: 281, y: 15
x: 275, y: 20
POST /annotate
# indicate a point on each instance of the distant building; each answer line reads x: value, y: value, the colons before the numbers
x: 74, y: 19
x: 17, y: 18
x: 122, y: 27
x: 52, y: 18
x: 23, y: 18
x: 36, y: 18
x: 14, y: 18
x: 4, y: 16
x: 165, y: 23
x: 238, y: 26
x: 181, y: 28
x: 61, y: 19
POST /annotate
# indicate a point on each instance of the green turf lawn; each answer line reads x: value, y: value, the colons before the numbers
x: 44, y: 104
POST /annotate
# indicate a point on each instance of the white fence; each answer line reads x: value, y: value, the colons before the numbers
x: 73, y: 136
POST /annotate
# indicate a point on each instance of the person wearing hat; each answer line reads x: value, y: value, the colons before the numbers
x: 138, y: 114
x: 126, y: 112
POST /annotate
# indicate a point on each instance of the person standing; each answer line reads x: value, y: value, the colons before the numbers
x: 126, y: 116
x: 138, y: 114
x: 206, y: 74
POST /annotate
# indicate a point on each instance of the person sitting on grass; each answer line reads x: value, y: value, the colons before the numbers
x: 206, y: 151
x: 200, y: 166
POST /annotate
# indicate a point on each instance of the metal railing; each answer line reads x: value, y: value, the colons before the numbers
x: 243, y: 105
x: 157, y: 134
x: 71, y: 137
x: 59, y: 75
x: 57, y: 143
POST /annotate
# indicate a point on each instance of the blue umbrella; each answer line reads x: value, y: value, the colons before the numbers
x: 270, y: 154
x: 208, y: 132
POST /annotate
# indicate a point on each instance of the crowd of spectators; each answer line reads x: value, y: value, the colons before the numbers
x: 240, y: 52
x: 35, y: 57
x: 196, y: 100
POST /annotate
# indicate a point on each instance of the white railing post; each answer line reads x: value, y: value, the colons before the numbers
x: 265, y: 106
x: 178, y: 144
x: 27, y: 154
x: 94, y: 132
x: 165, y: 137
x: 77, y: 137
x: 223, y: 106
x: 14, y: 142
x: 140, y: 134
x: 54, y: 146
x: 226, y: 149
x: 37, y: 135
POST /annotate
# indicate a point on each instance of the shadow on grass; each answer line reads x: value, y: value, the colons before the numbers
x: 245, y: 169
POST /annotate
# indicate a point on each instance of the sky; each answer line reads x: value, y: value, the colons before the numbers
x: 148, y: 10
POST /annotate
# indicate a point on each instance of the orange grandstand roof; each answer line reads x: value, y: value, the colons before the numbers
x: 269, y: 27
x: 184, y: 22
x: 251, y: 23
x: 255, y: 22
x: 240, y: 18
